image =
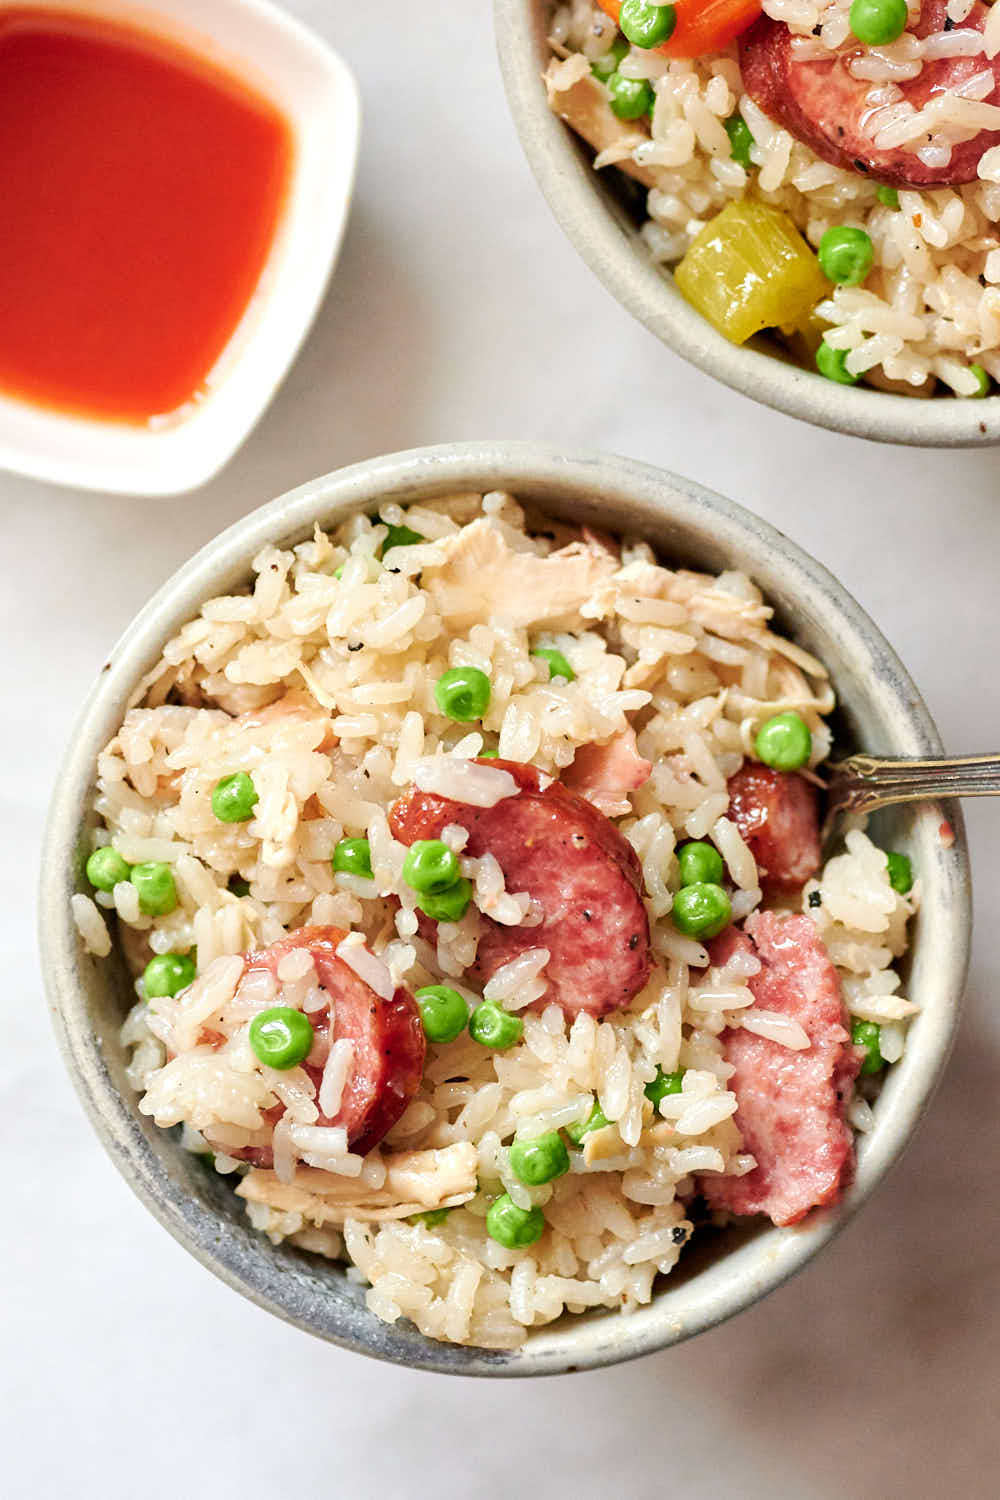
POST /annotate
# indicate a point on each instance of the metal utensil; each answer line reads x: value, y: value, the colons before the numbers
x: 862, y: 783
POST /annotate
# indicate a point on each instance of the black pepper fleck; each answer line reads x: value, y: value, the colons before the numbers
x: 815, y: 899
x: 633, y: 941
x: 949, y: 24
x: 678, y: 1235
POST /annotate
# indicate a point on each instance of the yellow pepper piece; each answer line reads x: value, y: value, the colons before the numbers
x: 749, y: 269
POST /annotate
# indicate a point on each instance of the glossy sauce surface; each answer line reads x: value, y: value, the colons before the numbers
x: 141, y: 191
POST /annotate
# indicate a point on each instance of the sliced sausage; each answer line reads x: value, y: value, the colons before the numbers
x: 825, y: 108
x: 777, y: 813
x: 791, y: 1104
x: 388, y: 1041
x: 573, y: 861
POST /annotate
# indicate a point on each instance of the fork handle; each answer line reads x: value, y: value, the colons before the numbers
x: 867, y: 782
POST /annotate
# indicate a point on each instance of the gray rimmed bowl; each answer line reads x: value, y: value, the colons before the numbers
x: 880, y: 710
x: 598, y: 212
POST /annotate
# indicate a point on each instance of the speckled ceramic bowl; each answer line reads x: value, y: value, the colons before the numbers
x: 880, y: 710
x: 601, y: 218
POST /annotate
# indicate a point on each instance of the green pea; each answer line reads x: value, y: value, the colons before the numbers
x: 784, y: 742
x: 740, y: 139
x: 866, y: 1034
x: 281, y: 1037
x: 558, y: 665
x: 514, y: 1227
x: 155, y: 884
x: 463, y: 694
x: 630, y: 98
x: 846, y: 254
x: 596, y: 1120
x: 664, y: 1084
x: 603, y: 67
x: 449, y: 905
x: 234, y: 798
x: 699, y: 862
x: 701, y: 910
x: 167, y: 974
x: 353, y: 857
x: 647, y: 25
x: 443, y: 1012
x: 400, y: 536
x: 432, y: 1218
x: 430, y: 867
x: 984, y: 383
x: 832, y: 363
x: 540, y: 1159
x: 338, y: 573
x: 105, y: 869
x: 900, y: 872
x: 887, y: 196
x: 492, y: 1026
x: 878, y: 22
x: 488, y: 755
x: 239, y: 886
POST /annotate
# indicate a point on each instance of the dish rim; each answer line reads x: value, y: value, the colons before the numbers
x: 288, y: 1284
x: 598, y: 227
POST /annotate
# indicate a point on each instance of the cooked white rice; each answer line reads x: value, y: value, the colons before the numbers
x: 931, y: 304
x: 272, y: 681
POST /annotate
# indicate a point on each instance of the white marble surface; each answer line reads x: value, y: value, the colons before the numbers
x: 460, y: 311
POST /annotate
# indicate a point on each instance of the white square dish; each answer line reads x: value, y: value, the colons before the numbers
x: 311, y: 86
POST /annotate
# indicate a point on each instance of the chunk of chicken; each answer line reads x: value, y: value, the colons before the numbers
x: 477, y: 574
x: 293, y: 704
x: 605, y: 774
x: 415, y: 1181
x: 577, y: 97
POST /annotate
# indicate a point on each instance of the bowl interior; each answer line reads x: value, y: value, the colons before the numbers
x: 601, y: 213
x: 880, y: 710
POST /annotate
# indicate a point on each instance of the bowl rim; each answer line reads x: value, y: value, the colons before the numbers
x: 583, y: 207
x: 243, y: 1259
x: 279, y: 58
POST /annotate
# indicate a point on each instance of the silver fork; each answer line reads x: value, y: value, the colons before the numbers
x: 862, y: 783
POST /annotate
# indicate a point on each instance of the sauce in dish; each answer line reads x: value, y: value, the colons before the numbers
x: 142, y: 189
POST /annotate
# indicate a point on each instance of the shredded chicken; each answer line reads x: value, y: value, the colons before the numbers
x: 290, y: 705
x: 415, y: 1181
x: 603, y: 1145
x: 577, y: 97
x: 605, y: 774
x: 476, y: 575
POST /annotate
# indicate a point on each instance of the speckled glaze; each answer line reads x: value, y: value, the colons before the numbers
x: 591, y: 209
x: 880, y: 711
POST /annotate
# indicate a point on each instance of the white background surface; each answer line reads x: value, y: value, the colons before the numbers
x: 460, y: 311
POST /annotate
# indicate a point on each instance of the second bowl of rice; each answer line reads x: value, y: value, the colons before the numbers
x: 924, y: 321
x: 575, y: 664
